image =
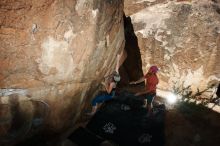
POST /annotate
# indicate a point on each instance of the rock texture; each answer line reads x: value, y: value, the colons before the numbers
x: 181, y: 37
x: 56, y: 51
x: 133, y: 6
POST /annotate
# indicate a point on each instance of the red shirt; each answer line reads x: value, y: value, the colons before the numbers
x: 151, y: 82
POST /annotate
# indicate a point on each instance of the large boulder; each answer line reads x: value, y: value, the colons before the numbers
x: 181, y: 37
x: 55, y: 52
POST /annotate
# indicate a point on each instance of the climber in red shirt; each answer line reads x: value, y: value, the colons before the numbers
x: 151, y: 81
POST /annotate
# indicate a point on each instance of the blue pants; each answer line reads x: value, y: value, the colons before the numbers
x: 101, y: 98
x: 150, y: 97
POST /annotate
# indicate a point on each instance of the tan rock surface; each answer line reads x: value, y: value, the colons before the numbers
x: 182, y: 38
x: 57, y: 51
x: 133, y: 6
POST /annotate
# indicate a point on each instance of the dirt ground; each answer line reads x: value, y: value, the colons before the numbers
x: 189, y: 124
x: 186, y: 124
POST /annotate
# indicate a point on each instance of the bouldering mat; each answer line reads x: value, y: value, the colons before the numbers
x: 83, y: 137
x: 125, y: 121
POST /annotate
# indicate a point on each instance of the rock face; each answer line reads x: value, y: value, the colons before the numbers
x: 133, y: 6
x: 56, y: 52
x: 182, y: 38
